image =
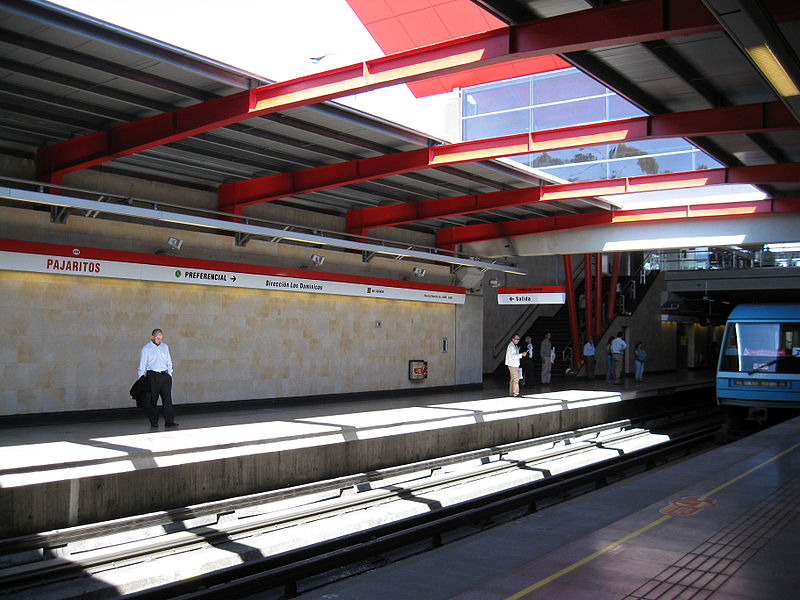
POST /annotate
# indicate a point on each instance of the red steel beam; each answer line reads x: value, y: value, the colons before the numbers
x: 624, y: 23
x: 750, y: 118
x: 598, y: 296
x: 449, y: 237
x: 573, y: 320
x: 612, y: 294
x: 588, y: 293
x: 362, y: 219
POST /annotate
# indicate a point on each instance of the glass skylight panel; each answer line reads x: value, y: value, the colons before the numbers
x: 566, y: 98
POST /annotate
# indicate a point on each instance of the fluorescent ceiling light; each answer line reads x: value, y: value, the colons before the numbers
x: 676, y: 242
x: 153, y: 214
x: 712, y: 194
x: 773, y: 70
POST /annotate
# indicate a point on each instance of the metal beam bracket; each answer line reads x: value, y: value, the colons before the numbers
x: 241, y: 239
x: 59, y: 214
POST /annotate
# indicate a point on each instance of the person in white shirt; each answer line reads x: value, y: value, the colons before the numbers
x: 618, y: 347
x: 513, y: 356
x: 155, y: 363
x: 588, y: 356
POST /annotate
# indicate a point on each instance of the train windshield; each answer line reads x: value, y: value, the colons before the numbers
x: 762, y: 348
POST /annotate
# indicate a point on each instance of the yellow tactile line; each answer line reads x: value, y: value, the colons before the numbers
x: 638, y: 532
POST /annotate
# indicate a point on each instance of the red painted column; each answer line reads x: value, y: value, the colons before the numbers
x: 612, y: 292
x: 598, y: 296
x: 573, y: 320
x: 587, y: 269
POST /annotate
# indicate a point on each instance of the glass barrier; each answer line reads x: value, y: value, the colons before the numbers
x: 691, y: 259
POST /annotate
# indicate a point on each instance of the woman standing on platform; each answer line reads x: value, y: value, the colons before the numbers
x: 639, y: 354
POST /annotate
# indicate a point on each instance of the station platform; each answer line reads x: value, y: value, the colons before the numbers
x: 723, y: 525
x: 61, y: 474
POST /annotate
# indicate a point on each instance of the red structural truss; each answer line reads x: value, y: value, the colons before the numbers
x: 362, y: 219
x: 399, y: 25
x: 588, y: 295
x: 750, y: 118
x: 629, y: 22
x: 449, y: 237
x: 612, y: 290
x: 573, y: 319
x: 598, y: 296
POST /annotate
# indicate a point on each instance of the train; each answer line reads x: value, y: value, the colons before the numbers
x: 759, y: 362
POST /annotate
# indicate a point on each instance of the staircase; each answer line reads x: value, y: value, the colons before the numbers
x: 539, y: 319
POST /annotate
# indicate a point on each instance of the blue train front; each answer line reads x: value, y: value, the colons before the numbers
x: 759, y: 364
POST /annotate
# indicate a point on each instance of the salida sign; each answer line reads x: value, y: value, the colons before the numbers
x: 547, y: 294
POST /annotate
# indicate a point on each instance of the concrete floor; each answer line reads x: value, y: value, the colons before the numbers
x: 721, y: 526
x: 63, y: 473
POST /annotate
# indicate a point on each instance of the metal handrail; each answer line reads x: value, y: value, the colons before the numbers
x: 434, y: 254
x: 713, y: 258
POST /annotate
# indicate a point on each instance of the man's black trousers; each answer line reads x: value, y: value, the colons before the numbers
x: 160, y: 385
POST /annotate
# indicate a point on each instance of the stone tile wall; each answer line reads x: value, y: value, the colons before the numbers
x: 72, y: 343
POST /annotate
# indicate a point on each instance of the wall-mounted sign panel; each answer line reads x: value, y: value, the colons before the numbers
x: 78, y: 261
x: 549, y: 294
x: 417, y: 370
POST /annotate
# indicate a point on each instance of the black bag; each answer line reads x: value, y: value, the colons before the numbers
x: 140, y: 391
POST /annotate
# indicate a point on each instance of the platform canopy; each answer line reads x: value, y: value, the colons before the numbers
x: 79, y: 94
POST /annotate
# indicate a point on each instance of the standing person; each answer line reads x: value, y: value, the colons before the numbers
x: 527, y: 362
x: 609, y: 364
x: 618, y: 347
x: 513, y: 356
x: 639, y: 354
x: 588, y: 357
x: 546, y: 350
x: 156, y: 363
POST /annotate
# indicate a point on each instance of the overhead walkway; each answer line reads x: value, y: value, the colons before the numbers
x: 762, y: 279
x: 66, y: 473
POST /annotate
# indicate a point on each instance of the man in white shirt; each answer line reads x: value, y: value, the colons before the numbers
x: 155, y: 362
x: 513, y: 356
x: 588, y: 356
x: 618, y: 347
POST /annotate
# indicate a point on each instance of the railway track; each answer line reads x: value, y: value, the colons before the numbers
x: 232, y: 548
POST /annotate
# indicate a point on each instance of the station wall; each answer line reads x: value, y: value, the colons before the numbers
x: 72, y: 342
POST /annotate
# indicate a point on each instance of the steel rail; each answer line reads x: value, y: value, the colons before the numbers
x: 290, y: 567
x: 90, y: 561
x: 61, y: 537
x: 186, y: 540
